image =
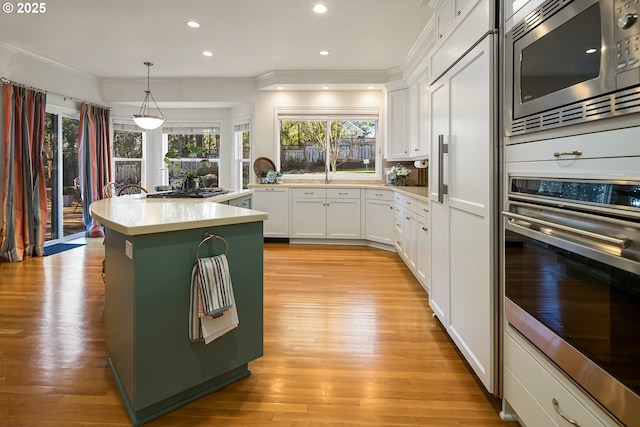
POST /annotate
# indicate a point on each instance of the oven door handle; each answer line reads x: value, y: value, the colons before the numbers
x: 513, y: 218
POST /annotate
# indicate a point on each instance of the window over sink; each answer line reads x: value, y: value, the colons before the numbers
x: 343, y: 143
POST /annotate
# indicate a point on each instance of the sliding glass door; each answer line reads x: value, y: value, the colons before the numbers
x: 64, y: 219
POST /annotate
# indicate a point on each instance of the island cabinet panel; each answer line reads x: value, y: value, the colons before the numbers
x: 156, y: 366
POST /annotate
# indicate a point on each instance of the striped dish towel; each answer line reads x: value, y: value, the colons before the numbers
x: 211, y: 292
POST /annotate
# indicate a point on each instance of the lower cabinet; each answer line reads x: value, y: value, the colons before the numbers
x: 274, y: 201
x: 537, y: 397
x: 422, y: 253
x: 319, y: 213
x: 241, y: 202
x: 411, y: 235
x: 379, y: 216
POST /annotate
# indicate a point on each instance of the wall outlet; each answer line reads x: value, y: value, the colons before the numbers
x: 128, y: 249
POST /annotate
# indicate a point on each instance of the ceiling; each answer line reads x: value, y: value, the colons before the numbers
x: 248, y: 38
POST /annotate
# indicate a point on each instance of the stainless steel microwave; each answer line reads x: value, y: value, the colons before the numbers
x: 572, y: 61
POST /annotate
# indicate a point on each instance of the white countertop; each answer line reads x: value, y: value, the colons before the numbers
x: 420, y: 193
x: 134, y: 214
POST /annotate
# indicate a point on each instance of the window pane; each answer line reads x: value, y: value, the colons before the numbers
x: 246, y: 145
x: 355, y: 150
x: 128, y: 172
x: 351, y: 146
x: 303, y: 145
x: 202, y: 146
x: 127, y: 144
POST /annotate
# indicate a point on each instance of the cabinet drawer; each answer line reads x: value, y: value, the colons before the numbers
x: 530, y: 390
x: 309, y: 193
x: 614, y: 143
x: 343, y: 193
x: 422, y: 208
x: 379, y: 194
x: 406, y: 201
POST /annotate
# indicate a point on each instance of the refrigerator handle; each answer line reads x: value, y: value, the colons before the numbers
x: 442, y: 150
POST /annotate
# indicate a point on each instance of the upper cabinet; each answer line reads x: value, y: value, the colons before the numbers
x: 461, y: 23
x: 408, y: 122
x: 398, y: 127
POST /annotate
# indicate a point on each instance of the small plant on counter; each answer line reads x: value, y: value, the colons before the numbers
x: 398, y: 174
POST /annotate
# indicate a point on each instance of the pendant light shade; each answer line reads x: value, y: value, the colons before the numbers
x: 144, y: 118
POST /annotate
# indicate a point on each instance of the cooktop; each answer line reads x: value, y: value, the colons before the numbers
x: 194, y: 193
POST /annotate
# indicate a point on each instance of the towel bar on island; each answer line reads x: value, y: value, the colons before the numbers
x: 210, y: 236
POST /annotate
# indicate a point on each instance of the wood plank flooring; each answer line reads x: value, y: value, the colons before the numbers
x: 349, y: 341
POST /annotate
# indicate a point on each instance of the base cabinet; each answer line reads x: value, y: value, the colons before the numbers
x: 379, y: 216
x: 319, y: 213
x: 275, y: 201
x: 411, y: 235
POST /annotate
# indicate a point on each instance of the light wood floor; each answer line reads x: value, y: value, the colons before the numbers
x: 349, y: 340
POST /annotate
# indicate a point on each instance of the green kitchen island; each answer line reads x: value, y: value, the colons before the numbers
x: 150, y: 250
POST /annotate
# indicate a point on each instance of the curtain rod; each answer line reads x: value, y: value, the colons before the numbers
x: 65, y: 97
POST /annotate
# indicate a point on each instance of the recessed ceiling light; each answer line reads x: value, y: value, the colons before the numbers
x: 280, y: 88
x: 324, y: 52
x: 319, y: 8
x: 193, y: 24
x: 370, y: 87
x: 325, y: 87
x: 207, y: 53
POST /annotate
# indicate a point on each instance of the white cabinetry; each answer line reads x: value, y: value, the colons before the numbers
x: 419, y: 118
x: 319, y: 213
x: 469, y: 21
x: 411, y: 235
x: 461, y: 210
x: 275, y: 201
x: 423, y: 245
x: 379, y: 216
x: 398, y: 107
x: 532, y: 385
x: 408, y: 121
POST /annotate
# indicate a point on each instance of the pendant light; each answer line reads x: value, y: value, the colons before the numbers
x: 143, y: 118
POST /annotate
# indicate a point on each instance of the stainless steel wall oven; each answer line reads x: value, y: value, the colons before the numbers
x: 572, y: 61
x: 572, y: 281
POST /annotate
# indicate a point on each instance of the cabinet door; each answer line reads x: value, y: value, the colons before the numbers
x: 438, y: 203
x: 410, y: 243
x: 414, y: 119
x: 275, y: 202
x: 470, y: 209
x: 241, y: 202
x: 422, y: 255
x: 462, y: 282
x: 398, y: 124
x: 379, y: 219
x: 309, y: 218
x: 343, y: 218
x: 444, y: 18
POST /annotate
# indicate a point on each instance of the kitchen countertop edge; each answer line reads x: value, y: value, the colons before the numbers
x: 136, y: 215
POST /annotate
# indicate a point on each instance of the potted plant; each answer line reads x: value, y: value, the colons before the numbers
x: 398, y: 174
x: 68, y: 194
x: 190, y: 180
x: 263, y: 177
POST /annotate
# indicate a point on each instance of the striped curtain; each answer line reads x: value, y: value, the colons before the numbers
x: 94, y: 158
x: 24, y: 194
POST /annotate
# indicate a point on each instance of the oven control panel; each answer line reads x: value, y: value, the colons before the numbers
x: 627, y: 34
